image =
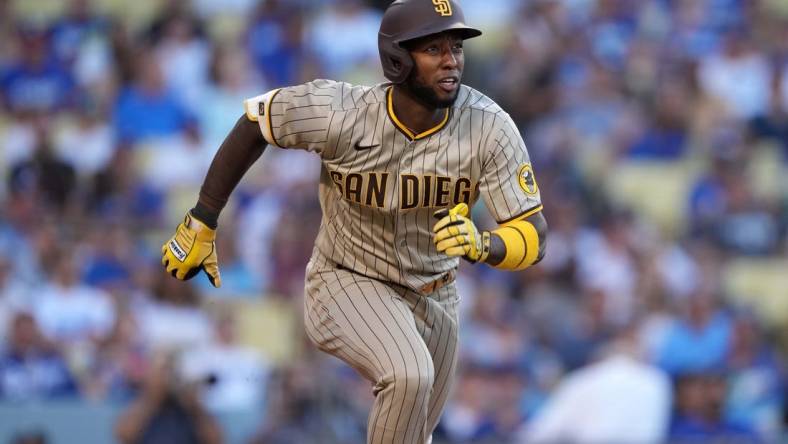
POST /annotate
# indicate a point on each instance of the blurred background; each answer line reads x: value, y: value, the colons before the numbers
x: 658, y: 130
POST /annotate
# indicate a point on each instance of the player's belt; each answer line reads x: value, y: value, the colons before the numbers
x: 437, y: 284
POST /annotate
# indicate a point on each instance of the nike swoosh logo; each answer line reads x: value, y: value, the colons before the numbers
x: 360, y: 147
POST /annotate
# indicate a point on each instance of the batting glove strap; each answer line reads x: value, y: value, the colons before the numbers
x: 191, y: 250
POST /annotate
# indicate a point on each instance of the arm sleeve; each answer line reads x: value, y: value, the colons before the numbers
x: 295, y: 116
x: 508, y: 184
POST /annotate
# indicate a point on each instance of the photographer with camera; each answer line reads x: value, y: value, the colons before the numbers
x: 168, y: 410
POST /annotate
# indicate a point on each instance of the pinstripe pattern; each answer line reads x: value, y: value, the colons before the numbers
x: 404, y: 343
x: 479, y: 143
x: 379, y: 187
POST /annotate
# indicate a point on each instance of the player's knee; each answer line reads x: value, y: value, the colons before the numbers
x: 416, y: 382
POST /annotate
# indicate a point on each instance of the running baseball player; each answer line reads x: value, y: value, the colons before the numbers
x: 402, y: 162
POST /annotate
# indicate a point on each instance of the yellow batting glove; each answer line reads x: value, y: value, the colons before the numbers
x: 456, y: 235
x: 190, y: 250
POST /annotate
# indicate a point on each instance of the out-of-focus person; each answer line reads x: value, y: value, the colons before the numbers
x: 699, y: 338
x: 36, y: 82
x: 69, y: 311
x: 147, y: 109
x: 235, y: 376
x: 30, y: 367
x: 700, y: 399
x: 618, y: 399
x: 756, y: 380
x: 118, y: 366
x: 168, y: 410
x: 171, y: 305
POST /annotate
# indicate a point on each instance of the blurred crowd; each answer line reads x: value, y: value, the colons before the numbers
x: 635, y: 326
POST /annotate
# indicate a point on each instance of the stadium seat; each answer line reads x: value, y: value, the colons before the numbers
x: 656, y: 190
x: 768, y: 171
x: 270, y: 325
x: 761, y: 284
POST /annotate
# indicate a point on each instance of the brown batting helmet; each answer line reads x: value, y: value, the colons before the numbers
x: 410, y: 19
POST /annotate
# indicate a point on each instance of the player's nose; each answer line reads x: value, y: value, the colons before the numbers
x: 449, y: 60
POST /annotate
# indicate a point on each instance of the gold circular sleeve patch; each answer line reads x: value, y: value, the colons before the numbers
x: 525, y: 175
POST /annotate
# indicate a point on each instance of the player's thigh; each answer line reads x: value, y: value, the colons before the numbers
x: 362, y: 322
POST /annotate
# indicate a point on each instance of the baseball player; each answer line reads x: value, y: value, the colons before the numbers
x: 402, y: 162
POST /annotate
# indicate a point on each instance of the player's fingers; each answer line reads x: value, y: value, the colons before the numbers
x: 454, y: 229
x: 446, y: 221
x: 448, y: 231
x: 440, y: 214
x: 460, y: 208
x: 456, y: 251
x: 212, y: 271
x: 441, y: 235
x: 191, y: 273
x: 460, y: 227
x: 442, y: 223
x: 451, y: 242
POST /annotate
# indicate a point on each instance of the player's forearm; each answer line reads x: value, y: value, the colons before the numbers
x: 240, y: 149
x: 518, y: 244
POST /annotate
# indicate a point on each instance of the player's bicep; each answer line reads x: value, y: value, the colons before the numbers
x: 294, y: 117
x: 508, y: 183
x: 258, y: 109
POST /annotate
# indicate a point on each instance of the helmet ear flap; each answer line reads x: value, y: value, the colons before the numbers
x: 396, y: 61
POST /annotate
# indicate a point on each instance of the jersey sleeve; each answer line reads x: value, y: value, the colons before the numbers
x: 508, y: 184
x: 295, y: 116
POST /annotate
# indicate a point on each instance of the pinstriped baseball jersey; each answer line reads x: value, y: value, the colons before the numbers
x: 380, y: 183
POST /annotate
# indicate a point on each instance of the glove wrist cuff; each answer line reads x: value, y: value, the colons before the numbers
x: 202, y: 230
x: 205, y: 215
x: 484, y: 251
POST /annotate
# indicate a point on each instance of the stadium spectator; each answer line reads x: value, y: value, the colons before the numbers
x: 700, y: 399
x: 79, y: 23
x: 720, y: 74
x: 617, y: 396
x: 31, y: 367
x: 69, y: 311
x: 231, y: 80
x: 36, y: 82
x: 344, y: 38
x: 168, y: 409
x: 171, y: 304
x: 700, y: 338
x: 89, y: 143
x: 183, y: 55
x: 756, y: 380
x: 276, y: 44
x: 43, y: 177
x: 234, y: 376
x: 15, y: 296
x: 148, y: 109
x: 117, y: 369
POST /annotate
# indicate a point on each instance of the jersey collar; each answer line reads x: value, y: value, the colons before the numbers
x: 405, y: 130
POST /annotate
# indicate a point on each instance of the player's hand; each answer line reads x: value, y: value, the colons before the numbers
x: 456, y: 235
x: 190, y: 250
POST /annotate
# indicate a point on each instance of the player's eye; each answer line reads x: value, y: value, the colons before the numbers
x: 432, y: 50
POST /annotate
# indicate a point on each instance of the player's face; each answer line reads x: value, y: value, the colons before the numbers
x: 439, y: 61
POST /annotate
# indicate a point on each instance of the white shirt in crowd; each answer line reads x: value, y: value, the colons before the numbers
x: 617, y: 400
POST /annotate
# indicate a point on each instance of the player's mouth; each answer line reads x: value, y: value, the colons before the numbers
x: 449, y: 84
